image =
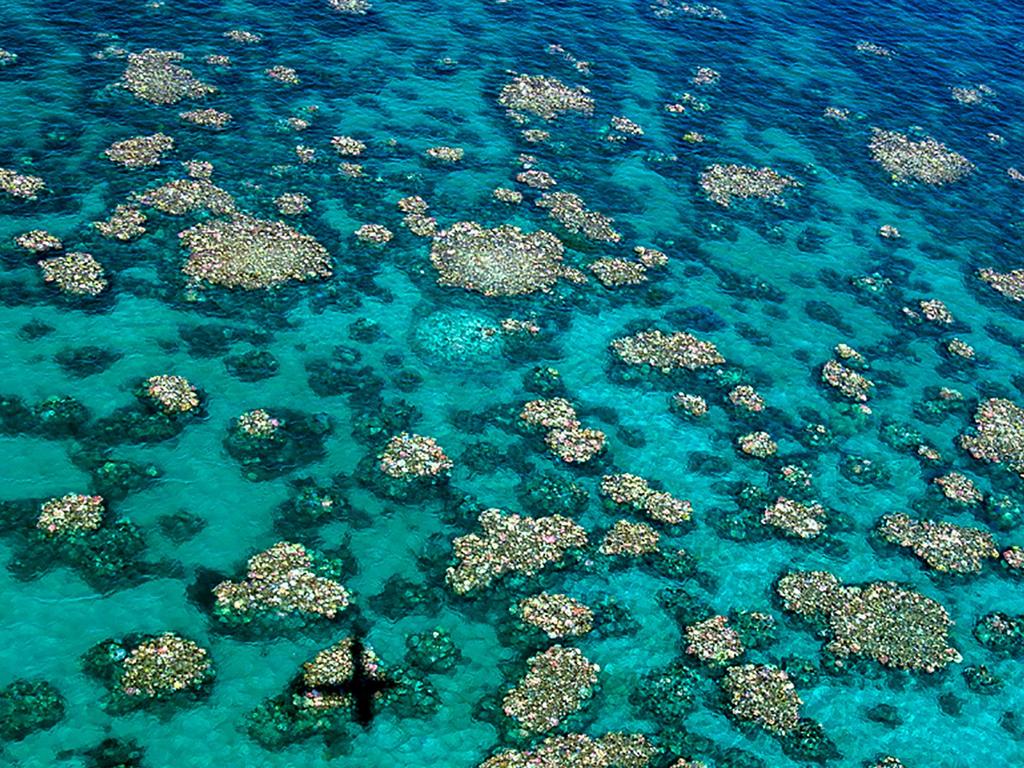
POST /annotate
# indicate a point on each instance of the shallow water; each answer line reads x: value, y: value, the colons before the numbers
x: 375, y: 77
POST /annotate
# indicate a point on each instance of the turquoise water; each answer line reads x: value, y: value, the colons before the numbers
x: 757, y: 279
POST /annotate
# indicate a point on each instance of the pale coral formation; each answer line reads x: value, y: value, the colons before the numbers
x: 156, y: 76
x: 713, y: 641
x: 546, y: 97
x: 959, y: 488
x: 804, y: 521
x: 926, y: 160
x: 634, y: 492
x: 76, y: 273
x: 140, y: 151
x: 615, y: 273
x: 258, y: 423
x: 243, y: 252
x: 725, y: 183
x: 1010, y: 284
x: 172, y: 394
x: 126, y: 223
x: 38, y: 241
x: 69, y: 514
x: 942, y: 546
x: 19, y: 185
x: 164, y: 665
x: 510, y: 544
x: 445, y: 154
x: 207, y: 118
x: 667, y: 352
x: 571, y: 212
x: 504, y: 261
x: 375, y: 234
x: 576, y: 750
x: 282, y: 580
x: 759, y: 444
x: 292, y: 204
x: 413, y: 456
x: 846, y: 381
x: 897, y: 627
x: 630, y: 540
x: 557, y: 684
x: 182, y: 196
x: 998, y: 434
x: 763, y: 694
x: 557, y: 615
x: 346, y: 146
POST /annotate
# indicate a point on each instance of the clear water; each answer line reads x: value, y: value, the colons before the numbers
x: 373, y: 77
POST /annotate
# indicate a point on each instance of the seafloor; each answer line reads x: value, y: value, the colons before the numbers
x: 380, y: 342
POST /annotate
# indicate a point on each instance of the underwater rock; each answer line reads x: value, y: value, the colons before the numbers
x: 28, y: 706
x: 270, y: 444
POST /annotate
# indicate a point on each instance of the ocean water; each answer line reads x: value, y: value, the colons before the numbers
x: 768, y: 284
